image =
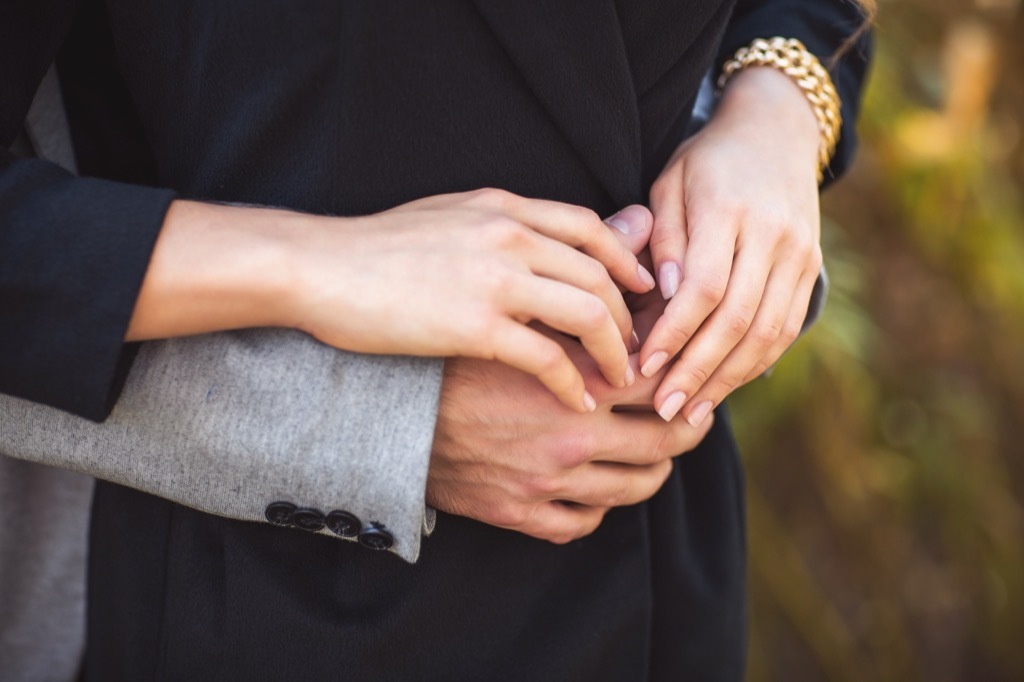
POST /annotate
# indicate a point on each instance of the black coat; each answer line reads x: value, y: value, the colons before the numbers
x: 348, y: 108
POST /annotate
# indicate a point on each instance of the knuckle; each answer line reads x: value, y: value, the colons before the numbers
x: 710, y: 290
x: 663, y: 471
x: 593, y: 314
x: 542, y: 487
x: 723, y: 386
x: 665, y: 234
x: 584, y: 217
x: 594, y: 276
x: 758, y: 369
x: 574, y: 449
x: 698, y: 375
x: 510, y: 515
x: 776, y: 230
x: 790, y: 332
x: 765, y: 335
x: 504, y: 233
x: 678, y: 329
x: 550, y: 359
x: 662, y: 187
x: 665, y: 446
x: 816, y: 258
x: 739, y: 322
x: 493, y: 196
x: 496, y: 280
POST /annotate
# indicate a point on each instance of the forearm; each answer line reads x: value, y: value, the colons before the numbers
x: 218, y: 267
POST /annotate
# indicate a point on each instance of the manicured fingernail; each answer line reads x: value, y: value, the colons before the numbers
x: 654, y: 364
x: 669, y: 275
x: 671, y: 405
x: 620, y: 224
x: 623, y: 224
x: 698, y: 413
x: 634, y: 342
x: 630, y: 377
x: 589, y: 402
x: 646, y: 277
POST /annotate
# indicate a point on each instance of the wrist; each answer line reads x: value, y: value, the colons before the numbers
x: 791, y: 57
x: 767, y: 102
x: 218, y: 267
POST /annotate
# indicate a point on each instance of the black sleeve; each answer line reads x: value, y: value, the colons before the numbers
x: 823, y: 26
x: 73, y: 251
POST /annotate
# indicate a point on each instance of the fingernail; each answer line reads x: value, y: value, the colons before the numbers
x: 622, y: 225
x: 698, y: 413
x: 669, y: 275
x: 634, y: 342
x: 630, y: 376
x: 589, y: 402
x: 671, y: 405
x: 654, y: 364
x: 645, y: 276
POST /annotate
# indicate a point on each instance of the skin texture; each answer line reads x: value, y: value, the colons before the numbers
x: 484, y: 265
x: 735, y: 244
x: 506, y: 453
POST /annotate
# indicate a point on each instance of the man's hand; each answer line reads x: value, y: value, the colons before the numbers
x: 507, y: 453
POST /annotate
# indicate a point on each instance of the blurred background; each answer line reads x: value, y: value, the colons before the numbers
x: 886, y: 454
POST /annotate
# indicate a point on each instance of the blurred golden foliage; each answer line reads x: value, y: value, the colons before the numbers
x: 885, y: 455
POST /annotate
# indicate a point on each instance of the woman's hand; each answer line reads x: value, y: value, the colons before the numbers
x: 464, y: 274
x: 735, y: 243
x: 459, y: 274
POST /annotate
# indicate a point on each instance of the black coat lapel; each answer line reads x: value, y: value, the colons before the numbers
x: 571, y: 54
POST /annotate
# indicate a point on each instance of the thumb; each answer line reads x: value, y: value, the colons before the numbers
x: 633, y: 226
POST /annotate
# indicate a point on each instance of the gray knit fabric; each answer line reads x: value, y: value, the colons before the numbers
x: 227, y: 423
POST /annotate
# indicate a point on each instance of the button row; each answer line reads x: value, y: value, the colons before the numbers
x: 343, y: 523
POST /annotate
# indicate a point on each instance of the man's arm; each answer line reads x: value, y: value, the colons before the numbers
x: 231, y: 423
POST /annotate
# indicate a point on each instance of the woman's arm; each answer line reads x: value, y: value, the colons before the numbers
x: 735, y: 243
x: 459, y: 274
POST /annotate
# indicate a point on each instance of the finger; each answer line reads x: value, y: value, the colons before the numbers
x: 529, y: 351
x: 607, y: 484
x: 724, y: 329
x: 765, y: 329
x: 559, y: 522
x: 791, y: 327
x: 653, y: 438
x: 638, y: 438
x: 708, y: 265
x: 668, y: 239
x: 575, y: 312
x: 633, y: 226
x: 557, y: 261
x: 581, y: 228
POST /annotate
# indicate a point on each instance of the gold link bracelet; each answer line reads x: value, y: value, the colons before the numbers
x: 791, y: 57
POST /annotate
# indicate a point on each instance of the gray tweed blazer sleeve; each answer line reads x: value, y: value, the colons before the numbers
x: 228, y: 423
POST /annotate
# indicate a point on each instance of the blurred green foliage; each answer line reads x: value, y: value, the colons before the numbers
x: 885, y: 455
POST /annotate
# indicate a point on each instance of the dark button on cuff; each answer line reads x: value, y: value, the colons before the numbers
x: 376, y: 536
x: 343, y: 523
x: 280, y: 513
x: 308, y: 519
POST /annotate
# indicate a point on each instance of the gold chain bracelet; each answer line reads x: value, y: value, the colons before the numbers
x: 796, y: 61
